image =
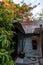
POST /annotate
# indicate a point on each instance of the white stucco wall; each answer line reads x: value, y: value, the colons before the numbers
x: 28, y: 47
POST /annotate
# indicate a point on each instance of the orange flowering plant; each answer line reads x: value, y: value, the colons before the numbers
x: 20, y: 11
x: 6, y: 34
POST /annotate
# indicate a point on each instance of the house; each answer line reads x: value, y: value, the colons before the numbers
x: 29, y: 38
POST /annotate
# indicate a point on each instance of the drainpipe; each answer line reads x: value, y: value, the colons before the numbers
x: 41, y: 39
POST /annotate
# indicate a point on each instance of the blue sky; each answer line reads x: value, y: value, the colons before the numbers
x: 38, y: 9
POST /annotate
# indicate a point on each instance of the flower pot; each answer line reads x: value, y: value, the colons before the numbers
x: 22, y: 54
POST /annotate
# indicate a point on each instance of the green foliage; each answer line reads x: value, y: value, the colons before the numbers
x: 6, y: 34
x: 6, y: 17
x: 5, y: 58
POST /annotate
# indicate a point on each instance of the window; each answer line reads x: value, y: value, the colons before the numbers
x: 34, y: 44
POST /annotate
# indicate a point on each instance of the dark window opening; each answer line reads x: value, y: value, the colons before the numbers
x: 34, y: 44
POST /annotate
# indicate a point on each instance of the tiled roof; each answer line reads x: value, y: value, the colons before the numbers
x: 31, y: 26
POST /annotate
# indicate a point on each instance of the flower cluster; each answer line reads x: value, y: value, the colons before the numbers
x: 21, y: 12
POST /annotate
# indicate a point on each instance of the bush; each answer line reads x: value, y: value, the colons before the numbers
x: 6, y: 34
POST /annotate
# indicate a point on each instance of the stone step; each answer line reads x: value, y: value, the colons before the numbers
x: 25, y: 61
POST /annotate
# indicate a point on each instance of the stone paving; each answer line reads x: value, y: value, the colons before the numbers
x: 41, y: 61
x: 26, y: 61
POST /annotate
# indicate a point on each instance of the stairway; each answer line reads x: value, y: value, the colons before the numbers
x: 26, y: 61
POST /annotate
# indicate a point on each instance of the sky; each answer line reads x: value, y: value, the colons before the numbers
x: 37, y: 10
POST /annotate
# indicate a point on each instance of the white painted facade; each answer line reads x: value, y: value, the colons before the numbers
x: 27, y: 43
